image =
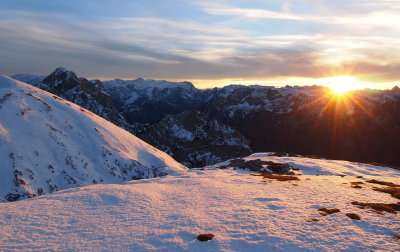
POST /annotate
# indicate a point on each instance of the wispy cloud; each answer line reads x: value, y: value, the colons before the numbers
x: 383, y: 17
x: 224, y: 40
x: 252, y: 13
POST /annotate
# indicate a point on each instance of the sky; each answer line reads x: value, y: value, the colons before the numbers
x: 211, y: 43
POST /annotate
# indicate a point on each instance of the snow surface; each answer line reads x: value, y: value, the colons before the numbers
x: 180, y: 132
x: 49, y: 144
x: 242, y: 211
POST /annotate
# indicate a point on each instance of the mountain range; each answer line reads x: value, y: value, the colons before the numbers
x: 363, y: 125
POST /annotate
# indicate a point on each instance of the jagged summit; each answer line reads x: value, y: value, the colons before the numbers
x: 59, y: 75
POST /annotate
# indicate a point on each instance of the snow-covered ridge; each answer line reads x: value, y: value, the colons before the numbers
x: 48, y: 144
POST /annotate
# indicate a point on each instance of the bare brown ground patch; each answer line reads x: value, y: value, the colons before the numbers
x: 393, y: 191
x: 380, y: 182
x: 353, y: 216
x: 379, y: 207
x: 205, y: 237
x: 327, y: 211
x: 277, y: 176
x: 356, y: 184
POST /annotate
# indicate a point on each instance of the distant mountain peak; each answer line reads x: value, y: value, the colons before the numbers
x: 59, y: 75
x: 61, y: 70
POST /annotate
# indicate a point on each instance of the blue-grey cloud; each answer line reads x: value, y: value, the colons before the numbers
x: 231, y: 39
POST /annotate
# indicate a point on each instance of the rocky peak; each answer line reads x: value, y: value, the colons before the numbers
x: 60, y: 75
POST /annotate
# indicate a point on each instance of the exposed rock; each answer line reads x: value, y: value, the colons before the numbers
x: 258, y: 165
x: 327, y: 211
x: 379, y: 207
x: 205, y: 237
x: 12, y: 197
x: 353, y: 216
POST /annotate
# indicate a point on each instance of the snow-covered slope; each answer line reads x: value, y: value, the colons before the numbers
x: 244, y: 212
x: 48, y: 144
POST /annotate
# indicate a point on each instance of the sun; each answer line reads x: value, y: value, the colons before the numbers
x: 340, y: 85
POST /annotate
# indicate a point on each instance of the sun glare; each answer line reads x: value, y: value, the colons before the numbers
x: 342, y: 84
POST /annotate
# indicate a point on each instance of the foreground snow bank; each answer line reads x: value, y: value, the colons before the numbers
x: 244, y: 213
x: 48, y: 144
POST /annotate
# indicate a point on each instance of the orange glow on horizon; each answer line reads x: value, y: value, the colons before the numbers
x: 339, y: 84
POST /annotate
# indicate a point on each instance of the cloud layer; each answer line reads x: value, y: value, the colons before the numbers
x: 187, y: 40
